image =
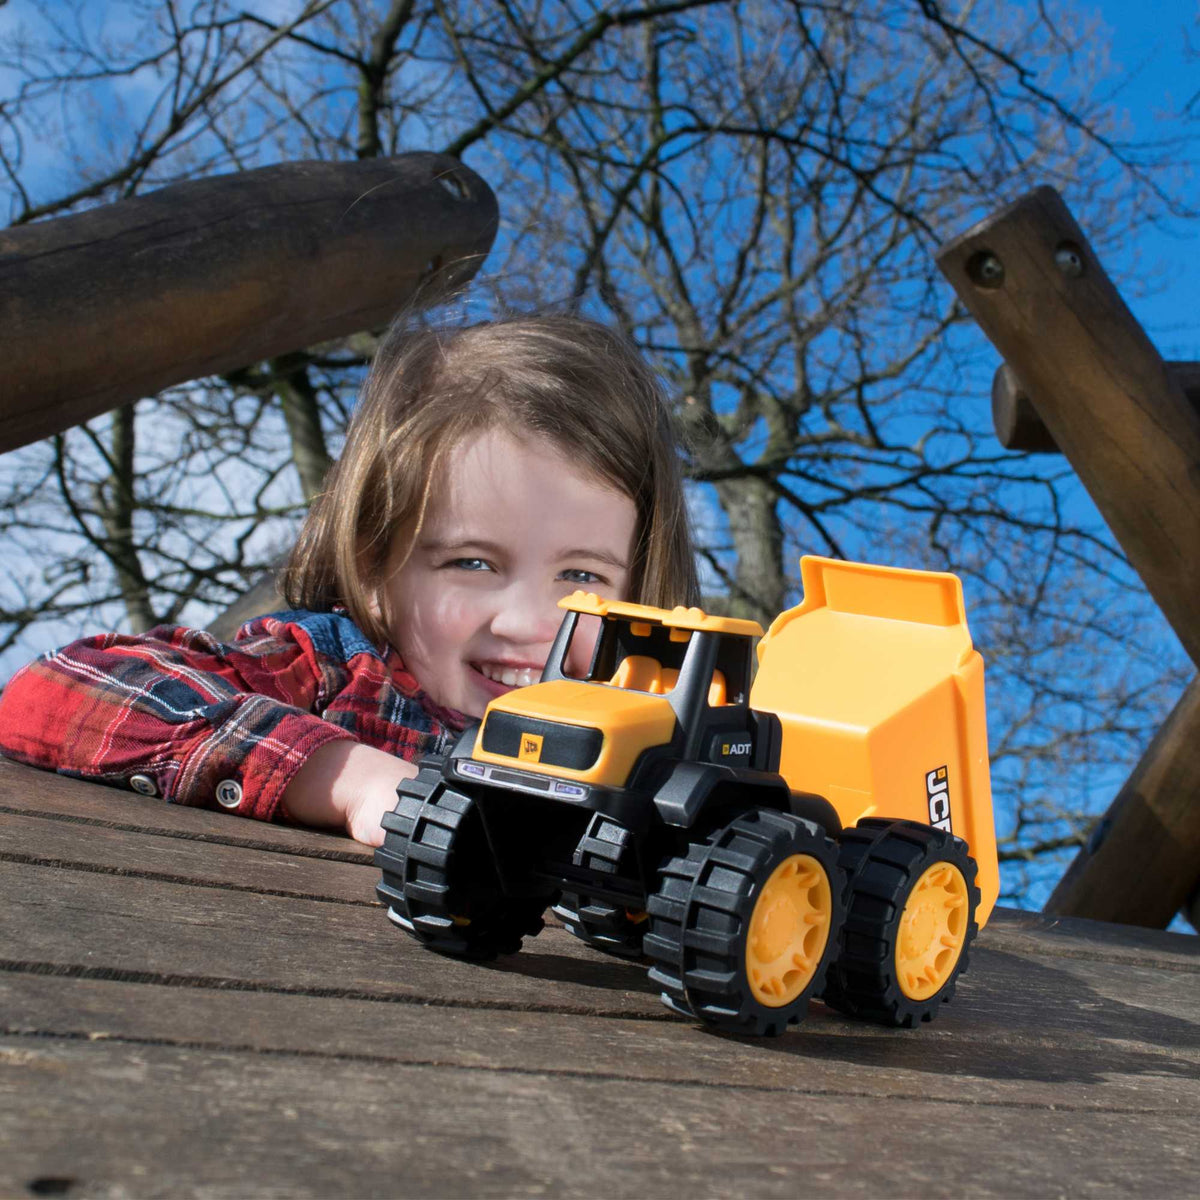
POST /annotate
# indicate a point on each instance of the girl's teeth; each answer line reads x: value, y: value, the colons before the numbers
x: 512, y: 676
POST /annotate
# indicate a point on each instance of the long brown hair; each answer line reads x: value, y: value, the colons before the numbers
x: 570, y: 380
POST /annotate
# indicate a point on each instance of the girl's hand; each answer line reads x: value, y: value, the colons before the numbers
x: 347, y: 785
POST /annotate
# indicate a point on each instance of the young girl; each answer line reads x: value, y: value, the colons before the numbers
x: 487, y: 472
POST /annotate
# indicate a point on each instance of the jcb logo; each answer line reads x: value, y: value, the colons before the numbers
x: 937, y: 792
x: 531, y: 748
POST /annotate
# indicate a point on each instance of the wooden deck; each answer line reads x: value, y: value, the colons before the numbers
x: 199, y: 1005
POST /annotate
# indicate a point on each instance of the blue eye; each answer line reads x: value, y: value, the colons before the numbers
x: 469, y: 564
x: 581, y: 577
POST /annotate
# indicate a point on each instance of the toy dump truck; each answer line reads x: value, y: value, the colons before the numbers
x: 820, y: 828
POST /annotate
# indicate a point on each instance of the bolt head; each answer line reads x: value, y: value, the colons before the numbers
x: 1068, y: 258
x: 985, y: 270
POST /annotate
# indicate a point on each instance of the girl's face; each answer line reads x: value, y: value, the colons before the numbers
x: 511, y: 529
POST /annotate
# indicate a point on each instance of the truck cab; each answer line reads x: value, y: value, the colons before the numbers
x: 660, y: 686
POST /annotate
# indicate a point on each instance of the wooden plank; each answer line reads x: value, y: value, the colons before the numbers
x: 102, y: 926
x: 1015, y: 412
x: 1102, y: 1036
x: 77, y: 847
x: 1041, y: 935
x: 26, y: 790
x: 90, y: 926
x: 1142, y: 861
x: 123, y: 300
x: 1037, y: 289
x: 155, y: 1120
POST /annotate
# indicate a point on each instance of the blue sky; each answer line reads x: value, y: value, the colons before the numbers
x: 1156, y: 78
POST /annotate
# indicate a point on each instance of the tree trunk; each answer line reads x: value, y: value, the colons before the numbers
x: 759, y: 589
x: 298, y: 398
x: 116, y: 506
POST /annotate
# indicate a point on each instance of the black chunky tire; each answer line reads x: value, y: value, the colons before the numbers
x: 606, y: 847
x: 439, y: 882
x: 700, y: 921
x: 883, y: 861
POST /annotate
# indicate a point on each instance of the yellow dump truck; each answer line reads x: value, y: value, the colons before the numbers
x: 819, y: 827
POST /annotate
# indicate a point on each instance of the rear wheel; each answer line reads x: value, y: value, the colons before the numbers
x: 606, y: 848
x: 743, y: 926
x: 910, y: 922
x: 439, y: 881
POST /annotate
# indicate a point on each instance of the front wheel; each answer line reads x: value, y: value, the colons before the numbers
x: 743, y: 926
x: 910, y: 922
x: 439, y: 881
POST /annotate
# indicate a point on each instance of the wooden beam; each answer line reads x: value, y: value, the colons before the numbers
x: 123, y: 300
x: 264, y: 597
x: 1015, y: 412
x: 1034, y: 284
x: 1142, y: 862
x: 1128, y: 427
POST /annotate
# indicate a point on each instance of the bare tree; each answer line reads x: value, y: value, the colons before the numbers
x: 753, y: 191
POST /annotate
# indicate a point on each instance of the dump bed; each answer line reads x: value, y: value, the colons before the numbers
x: 880, y: 695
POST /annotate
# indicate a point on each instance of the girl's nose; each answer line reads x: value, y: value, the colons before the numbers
x: 526, y: 616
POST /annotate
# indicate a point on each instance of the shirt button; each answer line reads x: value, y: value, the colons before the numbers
x: 143, y: 784
x: 229, y: 793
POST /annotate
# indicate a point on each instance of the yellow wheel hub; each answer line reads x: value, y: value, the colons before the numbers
x: 933, y: 928
x: 788, y: 930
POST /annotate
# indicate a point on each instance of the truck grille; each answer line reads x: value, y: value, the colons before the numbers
x: 576, y: 747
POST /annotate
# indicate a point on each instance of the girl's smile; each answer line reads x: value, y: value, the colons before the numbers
x: 511, y: 529
x: 509, y: 675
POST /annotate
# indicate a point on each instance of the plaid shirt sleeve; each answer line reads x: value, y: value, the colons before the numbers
x: 176, y: 713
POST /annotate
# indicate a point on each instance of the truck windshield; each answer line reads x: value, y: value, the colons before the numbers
x: 644, y: 656
x: 640, y: 656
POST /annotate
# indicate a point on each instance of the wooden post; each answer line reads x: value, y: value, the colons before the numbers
x: 1015, y: 412
x: 121, y: 301
x: 1142, y: 862
x: 1035, y: 286
x: 1122, y: 418
x: 262, y: 598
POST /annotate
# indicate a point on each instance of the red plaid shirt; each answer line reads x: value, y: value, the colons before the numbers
x: 176, y: 713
